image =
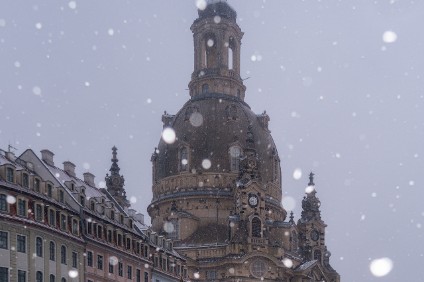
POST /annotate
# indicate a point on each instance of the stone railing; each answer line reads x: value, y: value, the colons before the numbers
x: 258, y: 241
x: 187, y: 182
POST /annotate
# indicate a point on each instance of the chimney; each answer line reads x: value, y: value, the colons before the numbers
x: 47, y: 157
x: 69, y: 168
x: 131, y: 212
x: 89, y: 179
x: 139, y: 217
x: 10, y: 156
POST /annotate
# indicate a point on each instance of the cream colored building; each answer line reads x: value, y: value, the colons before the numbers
x: 56, y: 227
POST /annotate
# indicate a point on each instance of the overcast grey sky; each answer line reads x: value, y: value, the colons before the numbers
x: 78, y: 77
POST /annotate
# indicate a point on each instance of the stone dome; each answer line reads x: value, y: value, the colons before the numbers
x: 208, y: 126
x: 218, y: 8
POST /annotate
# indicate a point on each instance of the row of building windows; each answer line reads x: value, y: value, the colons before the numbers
x: 42, y: 214
x: 117, y: 267
x: 115, y: 237
x: 25, y: 182
x: 22, y: 276
x: 21, y: 246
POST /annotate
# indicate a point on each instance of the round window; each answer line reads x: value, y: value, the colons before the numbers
x: 258, y: 268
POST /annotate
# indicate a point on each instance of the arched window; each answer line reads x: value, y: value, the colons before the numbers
x: 63, y: 279
x: 317, y: 255
x: 52, y: 278
x: 230, y: 58
x: 39, y: 247
x: 173, y: 229
x: 211, y: 52
x: 183, y: 159
x: 39, y: 276
x: 63, y: 254
x: 205, y: 88
x: 231, y: 52
x: 256, y: 227
x: 52, y: 251
x: 235, y: 154
x: 3, y: 202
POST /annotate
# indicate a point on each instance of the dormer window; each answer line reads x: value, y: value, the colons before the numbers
x: 112, y: 215
x: 72, y: 186
x: 37, y: 185
x: 121, y: 219
x: 10, y: 174
x: 92, y: 205
x: 61, y: 196
x: 49, y: 190
x: 82, y: 200
x: 130, y: 223
x: 25, y: 180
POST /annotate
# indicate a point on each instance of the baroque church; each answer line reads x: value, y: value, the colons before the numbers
x: 216, y: 210
x: 217, y: 186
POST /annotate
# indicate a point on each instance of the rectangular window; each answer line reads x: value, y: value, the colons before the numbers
x: 89, y: 228
x: 52, y: 251
x: 9, y: 174
x: 25, y: 180
x: 4, y: 274
x: 90, y: 259
x: 38, y: 212
x: 49, y: 190
x: 110, y: 267
x: 100, y: 262
x: 146, y: 277
x: 129, y: 271
x: 156, y: 262
x: 3, y: 202
x: 63, y: 254
x: 99, y: 231
x: 37, y: 185
x: 74, y: 259
x: 146, y: 251
x: 210, y: 275
x: 128, y: 243
x: 138, y: 275
x: 39, y: 247
x: 3, y: 240
x: 52, y: 220
x: 109, y: 235
x: 63, y: 222
x: 21, y: 243
x: 61, y: 196
x: 21, y: 276
x: 120, y: 269
x: 22, y: 210
x: 75, y: 227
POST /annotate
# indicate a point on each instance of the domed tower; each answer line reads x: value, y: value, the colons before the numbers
x: 198, y: 178
x: 216, y: 171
